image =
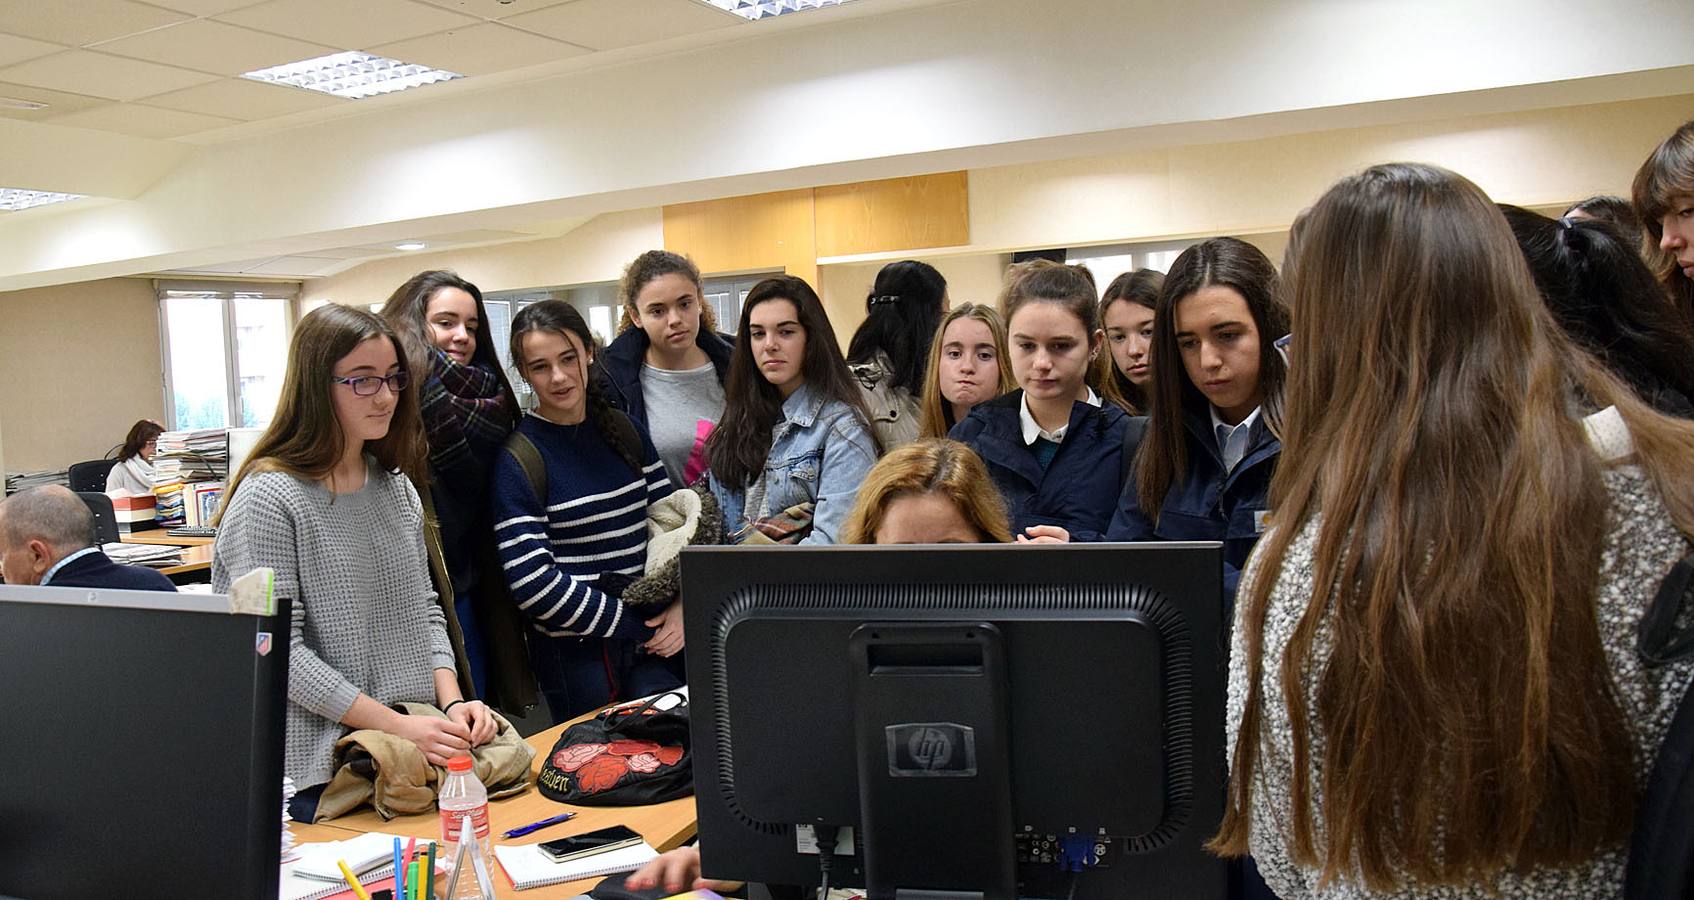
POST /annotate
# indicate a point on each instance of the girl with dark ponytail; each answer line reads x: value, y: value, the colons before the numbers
x: 889, y: 350
x: 572, y: 490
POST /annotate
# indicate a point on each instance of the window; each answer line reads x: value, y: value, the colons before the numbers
x: 226, y: 351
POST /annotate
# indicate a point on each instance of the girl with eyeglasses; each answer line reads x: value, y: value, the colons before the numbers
x: 326, y: 501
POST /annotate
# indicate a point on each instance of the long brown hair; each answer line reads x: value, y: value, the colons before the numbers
x: 1666, y: 176
x: 1140, y: 287
x: 1469, y: 721
x: 1227, y: 262
x: 139, y: 434
x: 561, y: 318
x: 935, y: 413
x: 929, y: 466
x: 738, y: 446
x: 407, y: 312
x: 1072, y: 287
x: 304, y: 438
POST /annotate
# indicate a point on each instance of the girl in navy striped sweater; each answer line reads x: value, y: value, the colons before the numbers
x: 568, y: 555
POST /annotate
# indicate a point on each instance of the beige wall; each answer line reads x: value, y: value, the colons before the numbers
x: 843, y: 287
x: 80, y: 363
x: 596, y: 251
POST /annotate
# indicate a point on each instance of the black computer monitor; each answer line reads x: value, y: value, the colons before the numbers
x: 984, y: 718
x: 143, y: 744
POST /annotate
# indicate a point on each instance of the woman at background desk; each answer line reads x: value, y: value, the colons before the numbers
x: 325, y: 501
x: 133, y: 474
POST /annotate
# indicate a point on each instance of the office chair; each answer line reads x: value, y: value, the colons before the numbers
x: 90, y: 475
x: 105, y: 518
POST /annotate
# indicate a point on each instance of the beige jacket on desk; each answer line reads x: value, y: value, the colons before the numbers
x: 392, y: 774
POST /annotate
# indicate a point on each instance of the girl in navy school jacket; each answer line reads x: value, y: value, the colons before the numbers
x: 1203, y: 471
x: 1053, y: 449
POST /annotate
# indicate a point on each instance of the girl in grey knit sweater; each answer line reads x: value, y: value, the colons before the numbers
x: 324, y: 501
x: 1433, y: 688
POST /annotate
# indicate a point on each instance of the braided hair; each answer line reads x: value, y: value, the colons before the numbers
x: 561, y: 318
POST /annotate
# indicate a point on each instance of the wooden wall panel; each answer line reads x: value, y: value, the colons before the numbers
x: 736, y: 234
x: 893, y: 214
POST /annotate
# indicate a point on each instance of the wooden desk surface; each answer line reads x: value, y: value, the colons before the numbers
x: 664, y: 825
x: 158, y: 536
x: 194, y: 559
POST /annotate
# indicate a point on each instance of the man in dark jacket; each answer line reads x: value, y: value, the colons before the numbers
x: 48, y: 537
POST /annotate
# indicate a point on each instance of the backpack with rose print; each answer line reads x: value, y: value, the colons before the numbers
x: 628, y: 755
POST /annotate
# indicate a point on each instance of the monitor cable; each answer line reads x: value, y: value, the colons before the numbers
x: 825, y: 836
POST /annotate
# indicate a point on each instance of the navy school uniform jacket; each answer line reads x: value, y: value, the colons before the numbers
x: 620, y: 368
x: 1078, y: 489
x: 97, y: 570
x: 1209, y: 504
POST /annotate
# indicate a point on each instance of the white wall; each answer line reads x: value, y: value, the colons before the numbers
x: 967, y: 84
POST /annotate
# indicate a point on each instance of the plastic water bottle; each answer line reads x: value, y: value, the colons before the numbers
x: 463, y: 796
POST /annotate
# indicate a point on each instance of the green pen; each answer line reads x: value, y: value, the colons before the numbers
x: 429, y: 876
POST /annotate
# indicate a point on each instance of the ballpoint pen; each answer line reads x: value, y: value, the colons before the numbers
x: 537, y: 826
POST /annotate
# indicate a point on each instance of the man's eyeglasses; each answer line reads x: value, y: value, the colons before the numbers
x: 368, y: 385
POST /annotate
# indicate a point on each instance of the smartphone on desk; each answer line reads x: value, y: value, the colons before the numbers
x: 579, y: 845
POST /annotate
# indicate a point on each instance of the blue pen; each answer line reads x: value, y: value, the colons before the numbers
x: 399, y: 872
x: 536, y: 826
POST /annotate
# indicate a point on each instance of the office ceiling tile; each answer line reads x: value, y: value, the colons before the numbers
x: 347, y: 25
x: 58, y: 102
x: 479, y: 49
x: 609, y: 24
x: 78, y: 22
x: 142, y: 121
x: 214, y: 47
x: 14, y: 49
x: 494, y: 9
x: 204, y: 7
x: 99, y: 75
x: 249, y: 100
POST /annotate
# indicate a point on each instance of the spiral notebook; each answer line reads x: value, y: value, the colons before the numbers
x: 528, y: 867
x: 316, y: 876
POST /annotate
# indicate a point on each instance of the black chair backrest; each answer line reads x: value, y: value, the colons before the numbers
x: 105, y: 519
x: 90, y: 475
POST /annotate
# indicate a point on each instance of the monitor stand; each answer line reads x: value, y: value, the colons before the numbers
x: 935, y: 795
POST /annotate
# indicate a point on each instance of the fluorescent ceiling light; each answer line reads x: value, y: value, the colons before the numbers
x: 352, y: 74
x: 764, y: 9
x: 410, y: 245
x: 12, y: 199
x: 15, y: 103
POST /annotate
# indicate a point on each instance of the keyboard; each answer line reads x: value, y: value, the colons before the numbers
x: 193, y: 531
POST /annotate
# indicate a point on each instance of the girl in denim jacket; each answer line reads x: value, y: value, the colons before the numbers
x: 795, y: 441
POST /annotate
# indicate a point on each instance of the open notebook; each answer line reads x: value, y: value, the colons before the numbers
x: 528, y: 867
x: 315, y: 874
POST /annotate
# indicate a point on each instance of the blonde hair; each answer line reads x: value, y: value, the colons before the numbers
x: 935, y: 418
x: 929, y: 466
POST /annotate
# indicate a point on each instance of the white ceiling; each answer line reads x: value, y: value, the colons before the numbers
x: 166, y: 69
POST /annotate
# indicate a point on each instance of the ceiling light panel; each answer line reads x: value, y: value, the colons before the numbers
x: 352, y: 74
x: 764, y: 9
x: 13, y: 199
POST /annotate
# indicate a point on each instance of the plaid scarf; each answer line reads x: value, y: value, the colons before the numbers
x: 791, y: 526
x: 464, y: 411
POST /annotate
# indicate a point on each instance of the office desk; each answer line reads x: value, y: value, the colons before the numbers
x: 664, y: 825
x: 159, y: 536
x: 194, y: 560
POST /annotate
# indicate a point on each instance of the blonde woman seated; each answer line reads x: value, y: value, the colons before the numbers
x: 931, y: 491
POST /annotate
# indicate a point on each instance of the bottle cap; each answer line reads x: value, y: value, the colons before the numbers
x: 459, y: 764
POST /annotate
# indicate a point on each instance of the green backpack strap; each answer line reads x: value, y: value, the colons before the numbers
x: 626, y: 435
x: 529, y: 457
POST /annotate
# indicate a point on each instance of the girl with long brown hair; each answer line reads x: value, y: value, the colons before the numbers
x: 1664, y: 198
x: 467, y: 407
x: 1433, y: 686
x: 1126, y: 312
x: 325, y: 499
x: 1203, y: 471
x: 967, y: 365
x: 796, y: 439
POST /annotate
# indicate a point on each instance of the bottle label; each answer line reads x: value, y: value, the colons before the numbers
x: 451, y: 829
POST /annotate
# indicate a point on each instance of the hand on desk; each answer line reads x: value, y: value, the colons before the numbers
x: 667, y: 641
x: 477, y: 719
x: 677, y: 871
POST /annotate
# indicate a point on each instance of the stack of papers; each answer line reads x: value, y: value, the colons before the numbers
x: 156, y: 555
x: 18, y: 481
x: 290, y: 853
x: 190, y: 467
x: 316, y: 873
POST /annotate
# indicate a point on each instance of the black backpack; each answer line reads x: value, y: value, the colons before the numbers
x: 1661, y: 852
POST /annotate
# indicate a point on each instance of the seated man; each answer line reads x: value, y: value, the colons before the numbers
x: 47, y: 536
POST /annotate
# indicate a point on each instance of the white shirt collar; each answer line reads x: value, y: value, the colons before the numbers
x: 1031, y: 430
x: 48, y: 577
x: 1232, y: 444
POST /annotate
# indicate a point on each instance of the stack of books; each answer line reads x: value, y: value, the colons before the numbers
x: 136, y: 513
x: 188, y: 476
x: 158, y: 556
